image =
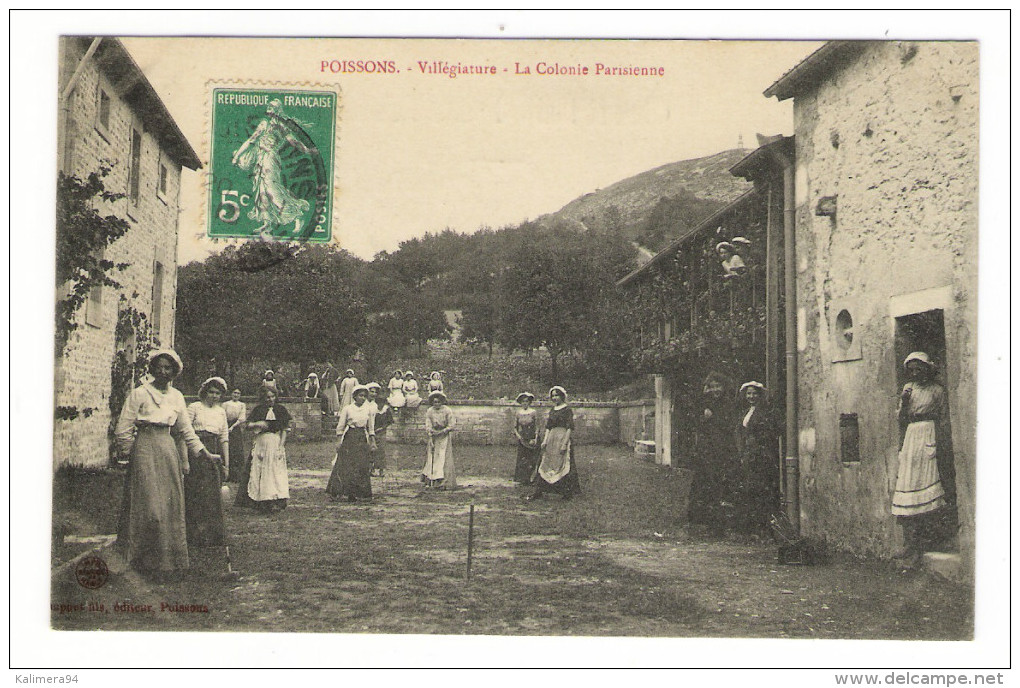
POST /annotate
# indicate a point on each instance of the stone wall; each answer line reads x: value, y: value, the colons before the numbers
x: 83, y: 376
x: 893, y: 136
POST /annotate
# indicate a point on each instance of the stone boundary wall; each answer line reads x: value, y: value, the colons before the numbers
x: 488, y: 422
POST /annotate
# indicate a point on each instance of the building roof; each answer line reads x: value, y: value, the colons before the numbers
x: 814, y: 68
x: 760, y: 159
x: 709, y: 221
x: 127, y: 78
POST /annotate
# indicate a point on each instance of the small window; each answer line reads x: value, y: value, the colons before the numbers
x: 135, y: 170
x: 161, y: 185
x: 104, y: 106
x: 849, y: 438
x: 157, y: 297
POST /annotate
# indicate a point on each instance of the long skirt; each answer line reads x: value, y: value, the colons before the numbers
x: 439, y: 464
x: 152, y: 530
x: 264, y: 483
x: 527, y: 462
x: 557, y: 471
x: 918, y: 485
x: 203, y: 506
x: 379, y: 455
x: 238, y: 454
x: 396, y: 398
x: 351, y: 476
x: 330, y: 401
x: 412, y: 400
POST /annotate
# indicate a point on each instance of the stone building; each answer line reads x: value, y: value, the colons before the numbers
x: 110, y: 115
x: 886, y: 257
x: 694, y: 320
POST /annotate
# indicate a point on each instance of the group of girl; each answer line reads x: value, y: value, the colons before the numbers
x: 172, y: 495
x: 403, y: 389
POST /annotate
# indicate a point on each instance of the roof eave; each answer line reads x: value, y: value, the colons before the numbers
x: 812, y: 69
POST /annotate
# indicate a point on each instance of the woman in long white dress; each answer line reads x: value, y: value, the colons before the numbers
x: 439, y: 470
x: 411, y: 398
x: 396, y: 387
x: 347, y: 386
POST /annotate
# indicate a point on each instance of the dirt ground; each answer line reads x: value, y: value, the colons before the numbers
x: 618, y: 561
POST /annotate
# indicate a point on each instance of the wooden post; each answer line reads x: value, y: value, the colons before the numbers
x: 471, y: 538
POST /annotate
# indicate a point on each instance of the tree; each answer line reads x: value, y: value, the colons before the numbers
x: 479, y: 324
x: 83, y: 234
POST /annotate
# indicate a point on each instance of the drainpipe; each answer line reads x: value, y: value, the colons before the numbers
x: 64, y: 108
x: 792, y: 459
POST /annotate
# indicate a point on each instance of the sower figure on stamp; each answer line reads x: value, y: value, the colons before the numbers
x: 274, y: 205
x: 152, y: 530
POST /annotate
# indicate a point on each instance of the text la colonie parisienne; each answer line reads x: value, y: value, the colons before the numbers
x: 453, y: 70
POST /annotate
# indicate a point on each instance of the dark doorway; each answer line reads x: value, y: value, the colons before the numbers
x: 926, y: 332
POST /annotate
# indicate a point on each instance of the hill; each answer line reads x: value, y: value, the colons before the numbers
x: 706, y: 179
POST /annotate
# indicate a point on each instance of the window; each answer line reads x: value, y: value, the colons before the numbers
x: 135, y: 169
x: 157, y: 297
x: 849, y: 438
x: 94, y: 305
x: 103, y: 110
x: 161, y: 185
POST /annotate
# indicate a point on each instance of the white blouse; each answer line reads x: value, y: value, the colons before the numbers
x: 354, y: 416
x: 146, y: 404
x: 209, y: 419
x: 236, y: 411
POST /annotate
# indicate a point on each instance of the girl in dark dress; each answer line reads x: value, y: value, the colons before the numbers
x: 758, y: 447
x: 557, y: 471
x: 383, y: 419
x: 203, y: 506
x: 526, y: 432
x: 350, y: 478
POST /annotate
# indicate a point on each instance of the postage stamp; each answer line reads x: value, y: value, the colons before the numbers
x: 272, y: 156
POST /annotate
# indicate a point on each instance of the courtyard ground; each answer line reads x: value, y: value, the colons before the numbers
x: 618, y: 561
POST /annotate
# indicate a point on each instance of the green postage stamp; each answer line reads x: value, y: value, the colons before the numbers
x: 271, y: 166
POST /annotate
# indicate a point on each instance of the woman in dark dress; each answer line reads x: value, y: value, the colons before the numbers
x: 758, y: 447
x: 203, y: 506
x: 713, y: 462
x: 526, y: 432
x: 237, y: 414
x: 383, y: 419
x: 557, y: 471
x: 351, y: 476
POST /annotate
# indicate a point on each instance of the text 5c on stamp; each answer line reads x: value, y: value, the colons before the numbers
x: 271, y: 169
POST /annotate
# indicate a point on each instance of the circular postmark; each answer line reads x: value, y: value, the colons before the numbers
x: 91, y: 572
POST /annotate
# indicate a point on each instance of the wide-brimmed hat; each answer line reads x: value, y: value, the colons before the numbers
x: 217, y: 381
x: 752, y: 384
x: 313, y: 375
x: 349, y: 371
x: 525, y: 395
x: 438, y: 394
x: 559, y: 389
x: 434, y: 373
x: 359, y: 388
x: 411, y: 373
x: 268, y: 372
x: 726, y: 245
x: 918, y: 356
x: 171, y: 354
x: 740, y: 240
x: 373, y: 385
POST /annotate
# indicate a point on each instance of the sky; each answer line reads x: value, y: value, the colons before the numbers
x: 419, y: 153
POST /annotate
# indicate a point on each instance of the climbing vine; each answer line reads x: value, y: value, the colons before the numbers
x: 83, y: 233
x: 130, y: 361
